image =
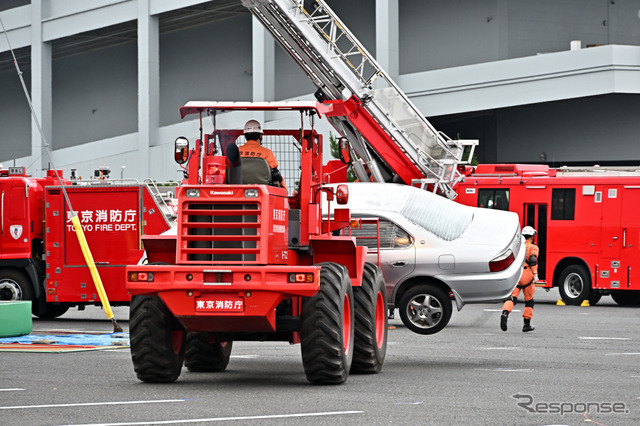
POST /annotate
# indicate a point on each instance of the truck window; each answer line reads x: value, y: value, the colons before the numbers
x: 494, y: 199
x: 563, y: 203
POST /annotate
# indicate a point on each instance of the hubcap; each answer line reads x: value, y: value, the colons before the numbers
x: 573, y: 285
x: 346, y: 324
x: 424, y: 311
x: 10, y: 290
x: 380, y: 319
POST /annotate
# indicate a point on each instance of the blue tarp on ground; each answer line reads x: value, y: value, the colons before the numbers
x: 113, y: 339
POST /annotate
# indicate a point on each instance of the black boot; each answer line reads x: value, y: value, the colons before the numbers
x: 527, y: 325
x: 503, y: 320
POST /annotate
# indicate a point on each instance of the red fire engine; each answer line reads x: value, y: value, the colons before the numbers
x: 40, y: 257
x: 588, y: 229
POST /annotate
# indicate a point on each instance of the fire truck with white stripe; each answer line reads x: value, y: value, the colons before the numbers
x: 586, y: 218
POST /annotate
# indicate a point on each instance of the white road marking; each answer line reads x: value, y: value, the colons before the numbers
x: 507, y: 370
x: 603, y: 338
x: 224, y: 419
x: 624, y: 353
x: 500, y: 310
x: 245, y: 356
x: 90, y: 404
x: 11, y: 389
x: 512, y: 348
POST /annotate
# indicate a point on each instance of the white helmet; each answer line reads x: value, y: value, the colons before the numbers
x: 253, y: 126
x: 528, y: 231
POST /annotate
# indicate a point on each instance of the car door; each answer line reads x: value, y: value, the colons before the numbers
x: 397, y: 251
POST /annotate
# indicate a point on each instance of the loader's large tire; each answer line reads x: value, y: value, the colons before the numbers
x: 370, y: 322
x: 157, y: 340
x: 327, y: 329
x: 201, y: 355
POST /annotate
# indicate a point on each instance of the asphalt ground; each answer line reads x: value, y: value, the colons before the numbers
x: 581, y: 364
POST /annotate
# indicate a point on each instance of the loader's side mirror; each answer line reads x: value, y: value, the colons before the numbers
x: 342, y: 194
x: 181, y: 153
x: 345, y: 153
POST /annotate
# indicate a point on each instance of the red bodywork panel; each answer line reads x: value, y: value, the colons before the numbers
x: 599, y: 229
x: 113, y: 218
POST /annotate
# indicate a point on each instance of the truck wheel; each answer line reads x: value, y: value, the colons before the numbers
x: 370, y: 322
x: 201, y: 355
x: 425, y: 309
x: 574, y: 284
x: 51, y: 310
x: 327, y: 327
x: 157, y: 340
x: 14, y: 285
x: 626, y: 297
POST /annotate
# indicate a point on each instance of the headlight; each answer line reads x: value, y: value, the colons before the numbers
x: 193, y: 193
x: 251, y: 193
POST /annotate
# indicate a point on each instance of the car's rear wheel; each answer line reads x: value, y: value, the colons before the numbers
x: 327, y: 327
x: 204, y: 355
x: 157, y: 340
x: 574, y: 284
x: 371, y: 322
x: 425, y: 309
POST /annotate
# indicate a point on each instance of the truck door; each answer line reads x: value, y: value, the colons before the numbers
x: 15, y: 242
x: 536, y: 215
x: 630, y: 251
x: 611, y: 269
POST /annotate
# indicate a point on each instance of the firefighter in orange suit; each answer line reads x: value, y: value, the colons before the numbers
x: 253, y: 148
x: 527, y: 283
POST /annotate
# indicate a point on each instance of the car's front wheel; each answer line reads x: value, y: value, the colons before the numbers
x: 425, y: 309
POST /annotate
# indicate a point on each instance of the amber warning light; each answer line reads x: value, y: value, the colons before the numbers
x: 141, y: 276
x: 300, y: 278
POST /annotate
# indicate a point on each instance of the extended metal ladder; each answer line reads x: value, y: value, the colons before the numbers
x: 341, y: 68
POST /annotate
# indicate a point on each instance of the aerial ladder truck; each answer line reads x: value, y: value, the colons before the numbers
x: 392, y: 139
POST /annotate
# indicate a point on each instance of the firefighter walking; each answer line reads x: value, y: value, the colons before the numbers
x: 527, y: 283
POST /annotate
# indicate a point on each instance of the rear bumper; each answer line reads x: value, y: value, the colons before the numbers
x: 224, y: 299
x: 491, y: 287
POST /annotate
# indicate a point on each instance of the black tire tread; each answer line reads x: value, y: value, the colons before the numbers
x: 202, y: 356
x: 150, y: 328
x: 323, y: 356
x: 367, y: 357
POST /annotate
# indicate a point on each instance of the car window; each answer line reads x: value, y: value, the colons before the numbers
x: 391, y: 235
x: 438, y: 215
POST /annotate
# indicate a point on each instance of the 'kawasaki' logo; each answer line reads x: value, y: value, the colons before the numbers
x: 221, y: 192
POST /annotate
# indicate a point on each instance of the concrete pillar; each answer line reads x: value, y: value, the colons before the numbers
x: 263, y: 57
x: 148, y: 86
x: 387, y: 36
x: 41, y: 97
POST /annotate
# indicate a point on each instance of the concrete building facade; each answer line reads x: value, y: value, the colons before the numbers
x: 552, y: 81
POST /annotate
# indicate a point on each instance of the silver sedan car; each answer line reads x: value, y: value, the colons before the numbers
x: 433, y: 250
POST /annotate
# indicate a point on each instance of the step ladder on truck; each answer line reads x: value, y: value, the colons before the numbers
x: 391, y: 138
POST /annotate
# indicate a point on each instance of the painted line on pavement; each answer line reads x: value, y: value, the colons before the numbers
x: 506, y: 370
x: 603, y: 338
x: 624, y: 353
x: 91, y: 404
x: 225, y: 419
x: 11, y: 389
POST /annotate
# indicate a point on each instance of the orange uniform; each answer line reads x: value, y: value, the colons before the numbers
x: 254, y: 149
x: 526, y: 283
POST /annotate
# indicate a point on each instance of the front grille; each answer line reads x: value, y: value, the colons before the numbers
x: 220, y: 233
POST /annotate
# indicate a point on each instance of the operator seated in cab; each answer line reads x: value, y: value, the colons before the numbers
x: 253, y: 149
